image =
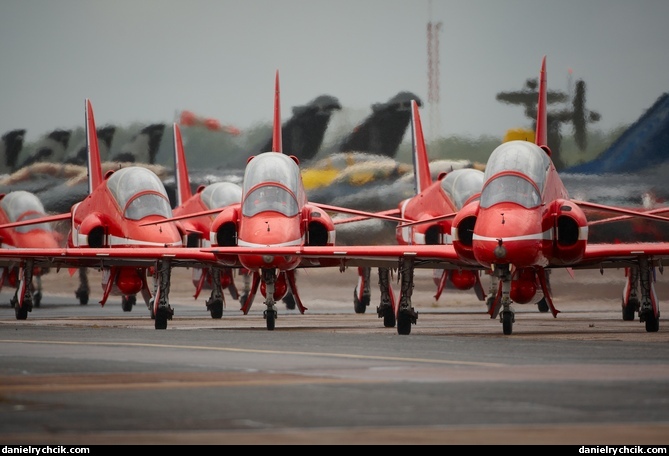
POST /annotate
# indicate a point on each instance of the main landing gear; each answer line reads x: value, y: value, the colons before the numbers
x: 641, y: 279
x: 406, y: 314
x: 387, y: 309
x: 361, y: 293
x: 501, y: 300
x: 161, y: 311
x: 216, y: 301
x: 82, y: 293
x: 362, y: 296
x: 23, y: 297
x: 270, y: 313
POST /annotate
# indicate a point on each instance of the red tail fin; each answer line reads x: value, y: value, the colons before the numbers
x: 277, y: 145
x: 541, y: 134
x: 180, y: 169
x: 421, y: 165
x: 94, y: 162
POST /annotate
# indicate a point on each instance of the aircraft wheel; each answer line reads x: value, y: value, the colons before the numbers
x: 543, y: 305
x: 389, y: 319
x: 652, y: 323
x: 21, y: 312
x: 216, y: 309
x: 82, y: 295
x: 270, y: 317
x: 507, y: 323
x: 242, y: 298
x: 289, y: 300
x: 161, y: 319
x: 630, y: 308
x: 13, y: 301
x: 403, y: 323
x: 360, y: 306
x: 127, y: 302
x: 37, y: 298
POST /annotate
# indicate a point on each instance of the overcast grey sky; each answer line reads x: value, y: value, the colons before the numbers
x: 144, y: 60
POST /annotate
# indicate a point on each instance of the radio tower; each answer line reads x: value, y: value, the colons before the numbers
x: 433, y: 73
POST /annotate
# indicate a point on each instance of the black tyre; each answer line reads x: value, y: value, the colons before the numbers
x: 507, y: 323
x: 127, y: 302
x: 37, y: 298
x: 82, y: 296
x: 271, y: 320
x: 161, y: 319
x: 389, y: 318
x: 542, y: 305
x: 403, y: 324
x: 630, y: 309
x: 360, y: 306
x: 652, y: 323
x: 289, y: 300
x: 21, y: 312
x: 216, y: 309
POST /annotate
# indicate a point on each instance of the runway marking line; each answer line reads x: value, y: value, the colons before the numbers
x: 272, y: 352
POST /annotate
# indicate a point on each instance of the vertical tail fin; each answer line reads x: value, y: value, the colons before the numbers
x: 94, y: 163
x: 183, y: 191
x: 421, y: 166
x: 277, y: 145
x: 541, y: 134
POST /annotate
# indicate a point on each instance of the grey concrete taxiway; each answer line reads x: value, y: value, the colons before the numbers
x: 87, y: 374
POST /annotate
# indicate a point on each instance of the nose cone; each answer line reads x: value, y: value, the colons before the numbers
x: 262, y: 231
x: 509, y: 235
x: 161, y: 234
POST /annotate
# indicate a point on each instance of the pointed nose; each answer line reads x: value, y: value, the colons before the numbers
x: 509, y: 236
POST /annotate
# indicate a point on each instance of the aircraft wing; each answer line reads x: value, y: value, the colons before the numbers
x: 598, y: 256
x: 391, y: 256
x: 107, y: 256
x: 37, y: 220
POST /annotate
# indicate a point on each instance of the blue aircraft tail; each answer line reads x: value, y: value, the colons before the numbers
x: 642, y: 146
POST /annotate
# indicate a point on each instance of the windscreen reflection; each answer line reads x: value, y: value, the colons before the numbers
x: 270, y: 198
x: 221, y: 194
x: 139, y: 192
x: 512, y: 188
x: 21, y: 205
x: 460, y: 184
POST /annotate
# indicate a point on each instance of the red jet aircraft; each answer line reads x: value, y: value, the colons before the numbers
x: 274, y: 212
x: 212, y: 196
x: 523, y: 225
x: 443, y: 197
x: 17, y: 206
x: 499, y: 232
x: 108, y: 219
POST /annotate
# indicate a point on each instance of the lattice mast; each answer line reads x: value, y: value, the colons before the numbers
x: 433, y: 29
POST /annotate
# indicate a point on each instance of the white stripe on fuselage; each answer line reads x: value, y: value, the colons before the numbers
x: 545, y: 236
x: 293, y: 243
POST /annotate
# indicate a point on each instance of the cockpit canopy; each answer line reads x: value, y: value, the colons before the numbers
x: 221, y: 194
x: 21, y: 205
x: 460, y: 184
x: 139, y: 192
x: 272, y: 180
x: 516, y: 171
x: 522, y: 156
